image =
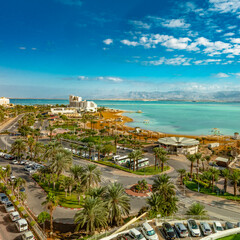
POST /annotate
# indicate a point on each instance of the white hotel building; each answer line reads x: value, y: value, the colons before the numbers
x: 4, y: 101
x: 82, y: 106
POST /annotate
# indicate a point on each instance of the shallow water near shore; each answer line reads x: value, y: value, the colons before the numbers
x: 190, y: 118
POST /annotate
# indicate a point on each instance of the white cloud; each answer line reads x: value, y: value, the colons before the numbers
x: 22, y: 48
x: 175, y: 43
x: 34, y: 48
x: 225, y: 6
x: 232, y: 27
x: 235, y: 40
x: 180, y: 60
x: 129, y: 43
x: 175, y: 23
x: 219, y: 30
x: 140, y: 24
x: 114, y: 79
x: 222, y: 75
x: 82, y: 78
x: 230, y: 34
x: 108, y: 41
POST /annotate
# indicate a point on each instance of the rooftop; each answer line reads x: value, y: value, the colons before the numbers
x: 178, y: 141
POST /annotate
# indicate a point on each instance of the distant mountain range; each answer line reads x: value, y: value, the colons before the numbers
x: 186, y: 95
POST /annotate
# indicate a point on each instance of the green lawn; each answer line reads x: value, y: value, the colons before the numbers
x: 232, y: 237
x: 150, y: 170
x: 69, y: 201
x: 194, y: 187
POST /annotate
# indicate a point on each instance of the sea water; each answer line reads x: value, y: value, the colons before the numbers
x: 176, y: 117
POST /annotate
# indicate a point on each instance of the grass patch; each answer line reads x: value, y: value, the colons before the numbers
x: 232, y: 237
x: 194, y: 187
x: 69, y: 201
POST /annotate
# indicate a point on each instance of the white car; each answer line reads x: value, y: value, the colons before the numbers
x: 181, y: 229
x: 193, y: 228
x: 148, y: 232
x: 22, y: 162
x: 14, y: 216
x: 21, y: 225
x: 217, y: 226
x: 9, y: 207
x: 136, y: 234
x: 2, y: 154
x: 12, y: 178
x: 14, y: 162
x: 28, y: 235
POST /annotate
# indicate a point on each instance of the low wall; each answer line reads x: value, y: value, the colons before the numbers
x: 225, y: 233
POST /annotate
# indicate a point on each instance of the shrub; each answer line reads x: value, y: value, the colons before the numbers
x: 32, y: 223
x: 21, y: 209
x: 8, y: 192
x: 16, y: 203
x: 2, y: 186
x: 25, y: 215
x: 13, y: 198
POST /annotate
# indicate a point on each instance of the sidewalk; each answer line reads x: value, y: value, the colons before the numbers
x: 208, y: 199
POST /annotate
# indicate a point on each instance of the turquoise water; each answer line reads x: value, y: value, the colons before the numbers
x: 171, y: 117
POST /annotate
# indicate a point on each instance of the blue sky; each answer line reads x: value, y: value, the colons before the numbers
x: 95, y: 49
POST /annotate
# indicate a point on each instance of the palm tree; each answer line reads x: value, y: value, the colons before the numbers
x: 76, y: 171
x: 90, y: 146
x: 97, y: 192
x: 93, y: 216
x: 99, y: 149
x: 64, y: 184
x: 158, y: 153
x: 51, y: 128
x: 225, y: 173
x: 182, y: 173
x: 192, y: 159
x: 118, y: 203
x: 18, y: 183
x: 18, y: 147
x: 163, y: 159
x: 135, y: 156
x: 163, y: 186
x: 208, y: 158
x: 197, y: 209
x: 61, y: 162
x: 43, y: 217
x: 51, y: 203
x: 31, y: 143
x: 214, y: 174
x: 91, y: 176
x: 203, y: 160
x: 235, y: 177
x: 79, y: 190
x: 7, y: 172
x: 198, y: 157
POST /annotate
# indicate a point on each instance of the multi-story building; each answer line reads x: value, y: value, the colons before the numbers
x: 4, y: 101
x: 80, y: 105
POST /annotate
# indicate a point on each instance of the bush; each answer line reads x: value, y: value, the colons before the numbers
x: 21, y: 209
x: 2, y: 186
x: 25, y: 215
x: 16, y: 203
x: 32, y: 223
x: 13, y: 198
x: 205, y: 185
x: 8, y: 192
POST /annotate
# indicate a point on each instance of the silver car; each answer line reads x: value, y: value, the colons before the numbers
x: 206, y: 230
x: 181, y: 230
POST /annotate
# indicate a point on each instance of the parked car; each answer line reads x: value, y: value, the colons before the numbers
x: 22, y: 162
x: 229, y: 225
x: 9, y: 157
x: 2, y: 154
x: 3, y: 198
x: 181, y: 230
x: 27, y: 168
x: 28, y: 235
x: 193, y: 228
x: 136, y: 234
x: 168, y: 231
x: 21, y: 225
x: 12, y: 178
x: 9, y: 207
x: 122, y: 237
x: 238, y: 224
x: 22, y: 189
x: 148, y: 232
x: 206, y: 229
x: 14, y: 162
x: 14, y: 216
x: 217, y: 226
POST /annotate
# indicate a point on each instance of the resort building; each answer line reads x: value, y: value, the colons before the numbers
x: 82, y: 106
x: 4, y: 101
x: 179, y: 145
x: 71, y: 112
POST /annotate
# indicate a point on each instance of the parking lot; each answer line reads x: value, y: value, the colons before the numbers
x: 8, y: 230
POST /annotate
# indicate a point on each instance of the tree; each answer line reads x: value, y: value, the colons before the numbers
x: 235, y: 177
x: 192, y: 159
x: 61, y: 162
x: 163, y: 159
x: 99, y: 149
x: 30, y: 143
x: 182, y: 173
x: 158, y: 153
x: 163, y: 186
x: 107, y: 149
x: 18, y: 147
x: 197, y: 209
x: 43, y: 217
x: 51, y: 203
x: 225, y: 173
x: 214, y: 174
x: 18, y: 183
x: 203, y: 160
x: 65, y: 185
x: 198, y: 157
x: 38, y: 149
x: 93, y: 216
x: 97, y: 192
x: 135, y: 156
x: 208, y: 158
x: 91, y: 176
x: 76, y: 171
x: 51, y: 128
x: 118, y: 203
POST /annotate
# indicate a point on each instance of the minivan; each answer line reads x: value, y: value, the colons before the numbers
x: 148, y: 232
x: 21, y: 225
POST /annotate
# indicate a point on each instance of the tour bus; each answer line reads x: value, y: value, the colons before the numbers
x: 141, y: 163
x: 122, y: 160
